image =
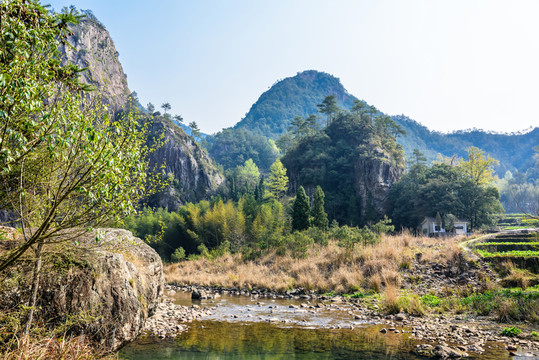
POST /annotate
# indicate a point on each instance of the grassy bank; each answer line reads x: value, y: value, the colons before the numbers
x: 325, y: 267
x: 398, y: 274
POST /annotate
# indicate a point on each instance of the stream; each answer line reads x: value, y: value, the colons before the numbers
x: 248, y: 328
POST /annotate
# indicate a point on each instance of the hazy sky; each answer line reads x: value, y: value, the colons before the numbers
x: 447, y: 64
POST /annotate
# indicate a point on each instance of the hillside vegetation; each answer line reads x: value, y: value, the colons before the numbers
x: 275, y: 110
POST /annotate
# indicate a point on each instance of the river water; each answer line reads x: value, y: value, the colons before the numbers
x: 246, y: 328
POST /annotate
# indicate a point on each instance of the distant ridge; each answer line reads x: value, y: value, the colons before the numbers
x: 272, y: 113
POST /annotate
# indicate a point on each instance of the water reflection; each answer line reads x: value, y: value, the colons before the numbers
x: 222, y: 340
x: 244, y: 337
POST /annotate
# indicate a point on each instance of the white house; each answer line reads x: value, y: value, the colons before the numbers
x: 429, y: 227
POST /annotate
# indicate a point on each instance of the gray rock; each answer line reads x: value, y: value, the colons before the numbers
x: 121, y: 282
x: 446, y: 352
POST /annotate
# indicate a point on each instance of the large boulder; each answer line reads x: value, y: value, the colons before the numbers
x: 111, y: 283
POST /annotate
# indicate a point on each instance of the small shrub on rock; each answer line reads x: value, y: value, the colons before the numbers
x: 511, y: 331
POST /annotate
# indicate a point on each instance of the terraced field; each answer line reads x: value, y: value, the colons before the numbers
x: 514, y: 254
x: 522, y: 243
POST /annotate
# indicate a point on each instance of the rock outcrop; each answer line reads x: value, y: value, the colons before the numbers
x: 372, y: 181
x: 191, y: 172
x: 111, y: 286
x: 93, y: 49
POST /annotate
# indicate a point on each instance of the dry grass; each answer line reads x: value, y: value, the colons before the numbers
x: 517, y: 278
x: 78, y: 348
x: 325, y: 268
x: 390, y: 302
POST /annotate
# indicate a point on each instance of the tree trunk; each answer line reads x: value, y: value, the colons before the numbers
x: 35, y: 287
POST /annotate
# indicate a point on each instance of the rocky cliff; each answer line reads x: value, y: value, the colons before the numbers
x: 372, y: 182
x: 353, y: 162
x: 105, y: 289
x: 92, y: 48
x: 191, y: 173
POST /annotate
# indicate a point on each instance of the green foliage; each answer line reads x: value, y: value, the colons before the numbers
x: 330, y: 158
x: 64, y: 164
x: 511, y: 331
x: 516, y: 253
x: 320, y: 218
x: 430, y: 300
x: 232, y: 147
x: 277, y: 183
x: 178, y: 255
x: 195, y: 131
x: 383, y: 226
x: 298, y: 242
x: 329, y: 108
x: 443, y: 189
x: 301, y: 211
x: 247, y: 176
x: 506, y: 305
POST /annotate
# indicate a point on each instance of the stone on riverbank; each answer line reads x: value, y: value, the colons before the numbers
x: 108, y: 287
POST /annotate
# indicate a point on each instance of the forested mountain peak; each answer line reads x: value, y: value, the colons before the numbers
x: 294, y: 96
x: 299, y: 95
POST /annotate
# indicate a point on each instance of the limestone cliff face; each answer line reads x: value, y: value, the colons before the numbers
x: 192, y: 173
x: 93, y: 48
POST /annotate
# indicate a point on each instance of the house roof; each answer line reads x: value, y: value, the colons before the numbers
x: 433, y: 220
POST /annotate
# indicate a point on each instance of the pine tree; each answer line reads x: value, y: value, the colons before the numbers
x: 320, y: 218
x: 329, y: 107
x: 300, y: 211
x: 260, y: 189
x: 277, y: 181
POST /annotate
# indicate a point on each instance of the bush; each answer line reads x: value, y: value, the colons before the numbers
x: 318, y: 235
x: 430, y: 300
x: 411, y: 304
x: 511, y: 331
x: 299, y: 243
x: 178, y: 255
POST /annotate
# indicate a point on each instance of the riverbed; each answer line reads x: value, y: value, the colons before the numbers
x: 240, y: 327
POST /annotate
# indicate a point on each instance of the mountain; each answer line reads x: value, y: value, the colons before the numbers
x: 276, y: 108
x: 92, y: 48
x: 354, y: 162
x: 298, y: 95
x: 513, y: 151
x: 191, y: 172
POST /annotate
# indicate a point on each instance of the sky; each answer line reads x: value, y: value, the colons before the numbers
x: 450, y: 65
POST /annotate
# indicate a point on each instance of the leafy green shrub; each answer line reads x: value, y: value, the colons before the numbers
x: 203, y: 251
x: 318, y: 235
x: 411, y: 304
x: 511, y: 331
x: 430, y: 300
x: 299, y: 243
x: 222, y: 249
x: 178, y: 255
x: 383, y: 226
